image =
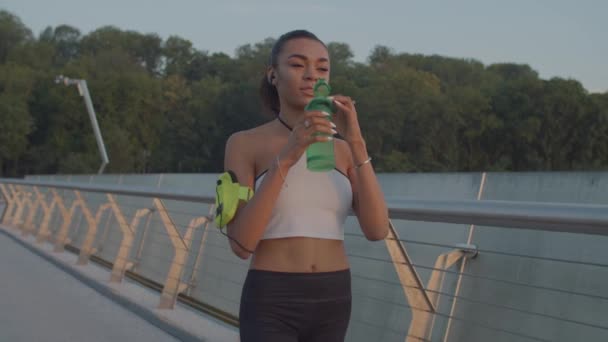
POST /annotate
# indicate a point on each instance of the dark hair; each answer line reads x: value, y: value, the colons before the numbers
x: 268, y: 92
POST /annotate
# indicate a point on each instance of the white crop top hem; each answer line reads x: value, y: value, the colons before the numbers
x: 308, y: 235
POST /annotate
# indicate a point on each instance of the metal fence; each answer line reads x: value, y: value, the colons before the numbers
x: 449, y: 292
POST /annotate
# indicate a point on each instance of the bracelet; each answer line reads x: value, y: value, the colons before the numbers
x: 281, y: 172
x: 363, y: 163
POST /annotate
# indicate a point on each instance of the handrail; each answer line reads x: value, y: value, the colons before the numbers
x: 561, y: 217
x: 127, y: 190
x: 558, y: 217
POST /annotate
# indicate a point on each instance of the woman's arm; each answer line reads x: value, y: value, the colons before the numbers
x: 249, y: 223
x: 368, y: 199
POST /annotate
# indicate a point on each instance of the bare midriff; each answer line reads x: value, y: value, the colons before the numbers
x: 300, y: 254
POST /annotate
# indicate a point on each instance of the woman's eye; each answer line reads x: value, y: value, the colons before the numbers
x: 323, y: 69
x: 297, y: 65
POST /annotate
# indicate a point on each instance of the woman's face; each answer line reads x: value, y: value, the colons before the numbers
x: 300, y: 64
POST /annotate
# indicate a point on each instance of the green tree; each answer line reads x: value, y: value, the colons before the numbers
x: 12, y: 34
x: 15, y: 87
x: 164, y: 106
x: 66, y: 41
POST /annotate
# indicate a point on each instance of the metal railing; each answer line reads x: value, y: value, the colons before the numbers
x: 564, y: 217
x: 31, y: 206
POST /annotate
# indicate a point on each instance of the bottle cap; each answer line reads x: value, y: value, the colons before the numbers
x: 321, y: 88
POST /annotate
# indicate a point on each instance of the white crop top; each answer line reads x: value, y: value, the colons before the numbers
x: 312, y: 204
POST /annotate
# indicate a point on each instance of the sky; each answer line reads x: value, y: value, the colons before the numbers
x: 557, y: 38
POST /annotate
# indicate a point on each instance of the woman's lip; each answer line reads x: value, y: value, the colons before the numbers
x: 308, y: 91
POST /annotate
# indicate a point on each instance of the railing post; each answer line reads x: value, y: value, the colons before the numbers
x: 173, y: 284
x: 142, y: 241
x: 422, y: 324
x: 482, y: 184
x: 121, y: 262
x: 44, y: 233
x: 193, y: 282
x: 27, y: 209
x: 10, y: 204
x: 19, y: 197
x: 28, y: 227
x: 86, y: 250
x: 62, y: 236
x: 423, y: 300
x: 413, y: 287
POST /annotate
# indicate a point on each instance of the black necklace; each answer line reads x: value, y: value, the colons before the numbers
x: 284, y: 123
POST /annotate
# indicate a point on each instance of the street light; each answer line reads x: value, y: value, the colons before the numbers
x: 83, y: 90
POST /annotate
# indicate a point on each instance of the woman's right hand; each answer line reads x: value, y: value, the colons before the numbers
x: 303, y: 134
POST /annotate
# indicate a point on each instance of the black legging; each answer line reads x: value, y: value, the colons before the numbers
x: 295, y: 307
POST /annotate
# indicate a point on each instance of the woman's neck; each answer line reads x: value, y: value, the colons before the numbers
x: 290, y: 116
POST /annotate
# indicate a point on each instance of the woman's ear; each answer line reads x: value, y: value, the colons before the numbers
x: 270, y: 74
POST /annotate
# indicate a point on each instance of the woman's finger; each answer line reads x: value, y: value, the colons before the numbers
x: 344, y: 101
x: 316, y: 114
x: 319, y: 121
x: 307, y: 123
x: 324, y: 128
x: 311, y: 118
x: 342, y: 106
x: 321, y: 138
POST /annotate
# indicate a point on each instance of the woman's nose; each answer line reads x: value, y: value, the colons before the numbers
x: 311, y: 74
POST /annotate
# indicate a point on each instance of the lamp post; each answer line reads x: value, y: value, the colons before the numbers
x: 83, y: 90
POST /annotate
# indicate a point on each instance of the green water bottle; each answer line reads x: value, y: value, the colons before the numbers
x: 320, y: 155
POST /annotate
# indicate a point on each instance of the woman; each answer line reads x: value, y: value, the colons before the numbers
x: 298, y: 285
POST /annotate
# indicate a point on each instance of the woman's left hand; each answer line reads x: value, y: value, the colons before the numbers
x: 347, y: 123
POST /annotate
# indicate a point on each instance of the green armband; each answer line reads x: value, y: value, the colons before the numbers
x: 228, y: 194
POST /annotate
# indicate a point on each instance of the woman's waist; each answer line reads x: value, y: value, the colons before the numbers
x: 312, y: 223
x: 300, y: 254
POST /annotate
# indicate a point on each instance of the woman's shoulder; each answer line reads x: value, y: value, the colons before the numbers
x: 249, y: 138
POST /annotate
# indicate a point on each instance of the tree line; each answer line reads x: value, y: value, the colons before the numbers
x: 164, y: 106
